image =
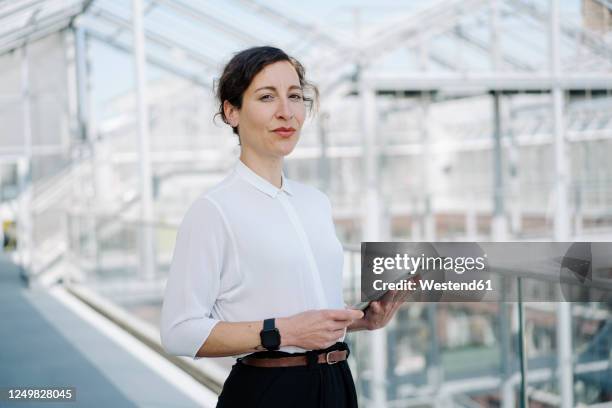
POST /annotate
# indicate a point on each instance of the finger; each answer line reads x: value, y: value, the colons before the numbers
x: 336, y: 314
x: 375, y: 306
x: 333, y: 325
x: 338, y: 324
x: 345, y: 314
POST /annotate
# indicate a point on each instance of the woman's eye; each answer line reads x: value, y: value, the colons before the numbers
x: 295, y: 97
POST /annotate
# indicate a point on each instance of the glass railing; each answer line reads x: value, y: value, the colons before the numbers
x: 434, y: 354
x: 105, y: 253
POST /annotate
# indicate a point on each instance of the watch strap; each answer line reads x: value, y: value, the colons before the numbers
x: 268, y: 324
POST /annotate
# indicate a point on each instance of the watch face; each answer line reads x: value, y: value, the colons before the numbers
x: 270, y: 339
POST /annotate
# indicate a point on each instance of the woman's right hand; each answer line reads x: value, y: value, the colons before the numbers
x: 316, y: 329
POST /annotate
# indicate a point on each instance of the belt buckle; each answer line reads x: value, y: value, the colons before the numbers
x: 327, y: 358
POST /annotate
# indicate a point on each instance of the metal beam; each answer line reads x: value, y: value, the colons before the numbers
x: 155, y: 38
x: 292, y: 24
x: 201, y: 17
x: 491, y: 50
x: 576, y: 33
x: 12, y: 46
x: 145, y: 12
x: 404, y: 31
x: 51, y: 23
x: 23, y: 6
x: 155, y: 61
x: 84, y: 9
x: 483, y: 82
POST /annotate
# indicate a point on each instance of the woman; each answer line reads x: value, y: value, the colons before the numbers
x: 257, y: 267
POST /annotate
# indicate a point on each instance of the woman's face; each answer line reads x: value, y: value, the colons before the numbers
x: 272, y: 112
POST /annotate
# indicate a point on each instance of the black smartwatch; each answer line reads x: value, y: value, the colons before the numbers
x: 270, y: 336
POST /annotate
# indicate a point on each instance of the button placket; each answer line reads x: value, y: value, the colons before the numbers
x: 314, y: 270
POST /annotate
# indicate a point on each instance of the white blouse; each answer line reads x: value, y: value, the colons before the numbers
x: 247, y: 250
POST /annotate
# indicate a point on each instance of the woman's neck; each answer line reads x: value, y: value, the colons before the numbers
x: 268, y: 169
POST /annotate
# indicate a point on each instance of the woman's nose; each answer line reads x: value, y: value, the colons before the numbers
x: 284, y: 110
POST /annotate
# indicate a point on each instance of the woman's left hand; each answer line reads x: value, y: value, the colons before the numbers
x: 379, y: 312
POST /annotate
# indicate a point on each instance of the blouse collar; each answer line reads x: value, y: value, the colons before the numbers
x: 261, y: 183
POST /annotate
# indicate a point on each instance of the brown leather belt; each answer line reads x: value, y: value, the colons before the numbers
x: 331, y: 357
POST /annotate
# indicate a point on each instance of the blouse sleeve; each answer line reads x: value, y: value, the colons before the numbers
x: 194, y: 280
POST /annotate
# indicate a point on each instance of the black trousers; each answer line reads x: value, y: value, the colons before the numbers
x: 311, y: 386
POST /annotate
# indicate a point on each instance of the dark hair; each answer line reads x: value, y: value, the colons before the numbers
x: 244, y: 66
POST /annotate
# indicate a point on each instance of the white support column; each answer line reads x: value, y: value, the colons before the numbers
x: 70, y: 116
x: 578, y: 217
x: 147, y: 254
x: 498, y: 226
x: 101, y: 166
x: 77, y: 103
x: 561, y: 162
x: 323, y: 160
x: 372, y: 214
x: 561, y: 233
x: 514, y: 180
x: 73, y: 54
x: 24, y: 171
x: 506, y: 334
x: 471, y: 220
x: 416, y: 218
x: 417, y: 224
x: 429, y: 221
x: 564, y: 352
x: 561, y: 171
x: 425, y: 226
x: 372, y: 229
x: 82, y: 82
x: 89, y: 133
x: 494, y: 37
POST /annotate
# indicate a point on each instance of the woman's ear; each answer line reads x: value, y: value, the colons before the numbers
x: 231, y: 113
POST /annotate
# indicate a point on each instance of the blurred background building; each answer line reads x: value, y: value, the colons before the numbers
x: 471, y: 120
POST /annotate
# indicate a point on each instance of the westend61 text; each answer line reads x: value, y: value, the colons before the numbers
x: 428, y: 285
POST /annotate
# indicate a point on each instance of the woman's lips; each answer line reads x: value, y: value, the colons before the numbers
x: 284, y: 132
